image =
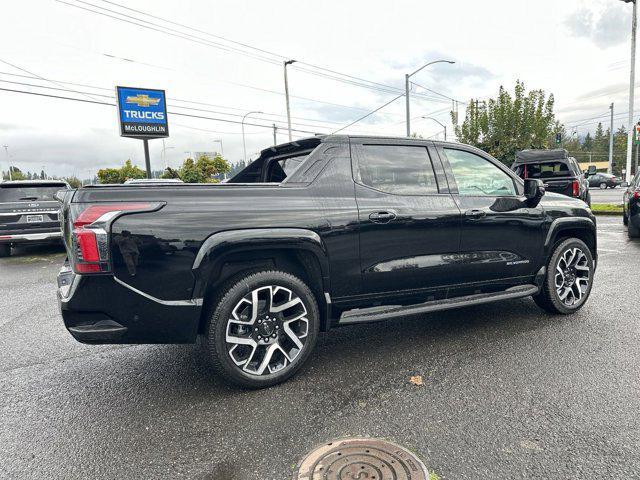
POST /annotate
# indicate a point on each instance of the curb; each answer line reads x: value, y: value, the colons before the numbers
x: 608, y: 214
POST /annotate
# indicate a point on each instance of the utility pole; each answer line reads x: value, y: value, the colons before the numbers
x: 610, y: 166
x: 406, y: 90
x: 275, y: 140
x: 631, y: 125
x: 286, y: 94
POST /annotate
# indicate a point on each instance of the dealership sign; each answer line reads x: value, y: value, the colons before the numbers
x: 142, y: 112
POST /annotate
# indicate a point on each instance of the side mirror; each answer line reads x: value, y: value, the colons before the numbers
x: 591, y: 170
x: 533, y: 191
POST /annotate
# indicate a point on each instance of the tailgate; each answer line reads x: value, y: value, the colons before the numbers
x: 559, y: 185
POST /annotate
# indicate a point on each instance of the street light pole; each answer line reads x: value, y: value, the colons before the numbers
x: 439, y: 123
x: 406, y: 89
x: 286, y: 94
x: 244, y: 144
x: 610, y: 166
x: 221, y: 149
x: 634, y: 24
x: 6, y: 151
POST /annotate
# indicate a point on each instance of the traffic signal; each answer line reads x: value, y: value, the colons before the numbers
x: 558, y: 138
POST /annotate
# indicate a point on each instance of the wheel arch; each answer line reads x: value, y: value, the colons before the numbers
x: 230, y: 253
x: 581, y: 228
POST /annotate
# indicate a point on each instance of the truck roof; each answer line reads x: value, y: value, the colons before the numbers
x: 537, y: 156
x: 33, y: 183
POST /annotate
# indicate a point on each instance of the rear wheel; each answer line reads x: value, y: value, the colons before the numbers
x: 569, y: 278
x: 5, y: 250
x: 263, y: 328
x: 625, y: 219
x: 632, y: 230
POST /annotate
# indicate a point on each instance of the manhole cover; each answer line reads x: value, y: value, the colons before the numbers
x: 361, y: 459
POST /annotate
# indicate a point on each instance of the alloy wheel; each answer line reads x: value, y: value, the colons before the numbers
x: 572, y: 276
x: 267, y: 330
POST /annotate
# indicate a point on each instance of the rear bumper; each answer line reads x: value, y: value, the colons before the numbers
x: 41, y: 237
x: 97, y: 309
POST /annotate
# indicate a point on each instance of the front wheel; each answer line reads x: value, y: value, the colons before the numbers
x: 262, y: 329
x: 569, y: 278
x: 5, y: 250
x: 603, y: 186
x: 632, y: 230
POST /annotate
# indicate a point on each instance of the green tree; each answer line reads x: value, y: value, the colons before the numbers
x: 510, y: 122
x: 129, y: 171
x: 74, y: 182
x: 190, y: 173
x: 203, y: 170
x: 120, y: 175
x: 16, y: 174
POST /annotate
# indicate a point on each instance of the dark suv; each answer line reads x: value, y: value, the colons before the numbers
x: 631, y: 206
x: 559, y: 172
x: 29, y: 213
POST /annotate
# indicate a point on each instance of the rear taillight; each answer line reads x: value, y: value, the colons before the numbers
x: 90, y: 225
x: 575, y: 188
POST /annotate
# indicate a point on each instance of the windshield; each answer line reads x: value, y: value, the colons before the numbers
x: 543, y: 170
x: 25, y: 193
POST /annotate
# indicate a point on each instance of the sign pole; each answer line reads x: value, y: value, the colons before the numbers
x: 147, y: 160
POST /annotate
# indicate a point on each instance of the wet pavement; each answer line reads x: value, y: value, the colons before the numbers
x: 507, y: 391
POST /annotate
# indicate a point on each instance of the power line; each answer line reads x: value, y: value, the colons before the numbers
x: 281, y: 122
x: 186, y: 36
x: 172, y: 113
x: 368, y: 114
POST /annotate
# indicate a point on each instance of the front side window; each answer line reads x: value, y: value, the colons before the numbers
x: 402, y: 170
x: 477, y: 176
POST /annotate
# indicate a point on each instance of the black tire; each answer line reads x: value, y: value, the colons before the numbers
x: 625, y: 219
x: 632, y: 230
x: 5, y: 250
x: 229, y: 301
x: 549, y: 299
x: 603, y: 186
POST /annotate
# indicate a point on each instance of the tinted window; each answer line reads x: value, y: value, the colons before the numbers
x: 25, y: 193
x: 476, y: 176
x: 543, y: 170
x: 402, y: 170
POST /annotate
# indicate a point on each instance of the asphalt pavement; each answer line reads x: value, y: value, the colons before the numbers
x: 610, y: 195
x: 509, y: 392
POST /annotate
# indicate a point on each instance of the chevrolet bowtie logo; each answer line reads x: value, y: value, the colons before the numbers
x: 143, y: 100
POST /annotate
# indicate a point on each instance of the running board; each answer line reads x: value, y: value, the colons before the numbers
x: 374, y: 314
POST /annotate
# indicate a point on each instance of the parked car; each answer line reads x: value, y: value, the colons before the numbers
x: 314, y: 234
x: 29, y: 213
x: 631, y: 207
x: 604, y: 181
x: 559, y: 172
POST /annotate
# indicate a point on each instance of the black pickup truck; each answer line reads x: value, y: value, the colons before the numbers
x: 316, y: 233
x: 559, y: 172
x: 29, y: 213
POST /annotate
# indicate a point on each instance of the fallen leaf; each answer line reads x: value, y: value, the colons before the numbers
x: 416, y: 380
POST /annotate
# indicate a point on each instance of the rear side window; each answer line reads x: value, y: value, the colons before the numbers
x: 402, y: 170
x: 543, y: 170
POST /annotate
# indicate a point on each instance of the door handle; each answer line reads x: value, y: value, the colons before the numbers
x: 382, y: 217
x: 475, y: 214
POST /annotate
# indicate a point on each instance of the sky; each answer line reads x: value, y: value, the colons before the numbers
x: 223, y: 59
